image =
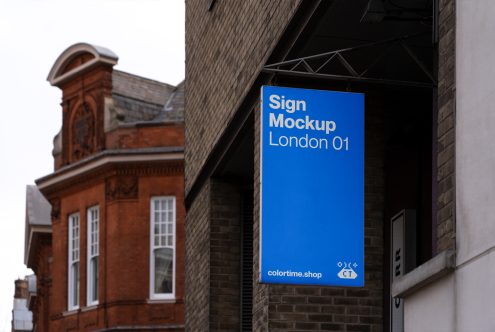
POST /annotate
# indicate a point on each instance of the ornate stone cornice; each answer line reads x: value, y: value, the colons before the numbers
x: 129, y: 162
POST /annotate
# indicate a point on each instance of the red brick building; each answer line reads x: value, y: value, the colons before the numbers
x: 113, y: 257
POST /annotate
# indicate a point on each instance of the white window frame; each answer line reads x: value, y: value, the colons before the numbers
x: 74, y: 252
x: 153, y: 295
x: 93, y: 252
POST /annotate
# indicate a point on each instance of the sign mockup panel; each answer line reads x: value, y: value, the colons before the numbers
x: 312, y: 187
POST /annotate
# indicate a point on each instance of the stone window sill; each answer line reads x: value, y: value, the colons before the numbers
x: 425, y: 274
x: 161, y: 301
x: 91, y: 307
x: 70, y: 312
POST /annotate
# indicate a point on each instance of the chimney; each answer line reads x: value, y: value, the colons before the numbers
x: 21, y: 289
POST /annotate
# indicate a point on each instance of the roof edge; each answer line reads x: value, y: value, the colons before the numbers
x: 101, y: 55
x: 30, y: 233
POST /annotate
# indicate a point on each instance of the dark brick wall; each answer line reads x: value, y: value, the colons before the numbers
x: 260, y: 291
x: 213, y: 261
x: 197, y: 290
x: 446, y: 127
x: 225, y: 48
x: 225, y: 257
x: 221, y: 64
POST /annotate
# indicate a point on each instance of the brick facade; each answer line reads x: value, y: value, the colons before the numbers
x: 225, y: 48
x: 261, y: 291
x: 213, y: 265
x: 216, y: 85
x: 225, y: 257
x: 446, y: 127
x: 197, y: 314
x: 211, y: 98
x: 124, y: 250
x: 116, y: 150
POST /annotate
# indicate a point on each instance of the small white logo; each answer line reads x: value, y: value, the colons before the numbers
x: 347, y: 271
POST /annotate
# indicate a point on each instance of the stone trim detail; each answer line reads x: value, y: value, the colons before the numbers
x: 55, y: 213
x: 82, y: 132
x: 425, y: 274
x: 122, y: 187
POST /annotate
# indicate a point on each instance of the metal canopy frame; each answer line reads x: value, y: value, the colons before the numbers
x: 313, y: 66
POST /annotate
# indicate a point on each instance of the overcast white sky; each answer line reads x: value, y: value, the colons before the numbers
x: 148, y: 37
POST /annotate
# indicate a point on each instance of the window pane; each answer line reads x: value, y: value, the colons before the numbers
x: 94, y: 279
x: 163, y: 270
x: 170, y: 228
x: 75, y: 284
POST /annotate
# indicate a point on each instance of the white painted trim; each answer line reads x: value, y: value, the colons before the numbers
x: 161, y: 301
x: 101, y: 55
x: 34, y: 229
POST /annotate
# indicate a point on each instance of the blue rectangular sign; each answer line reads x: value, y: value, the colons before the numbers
x: 312, y: 187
